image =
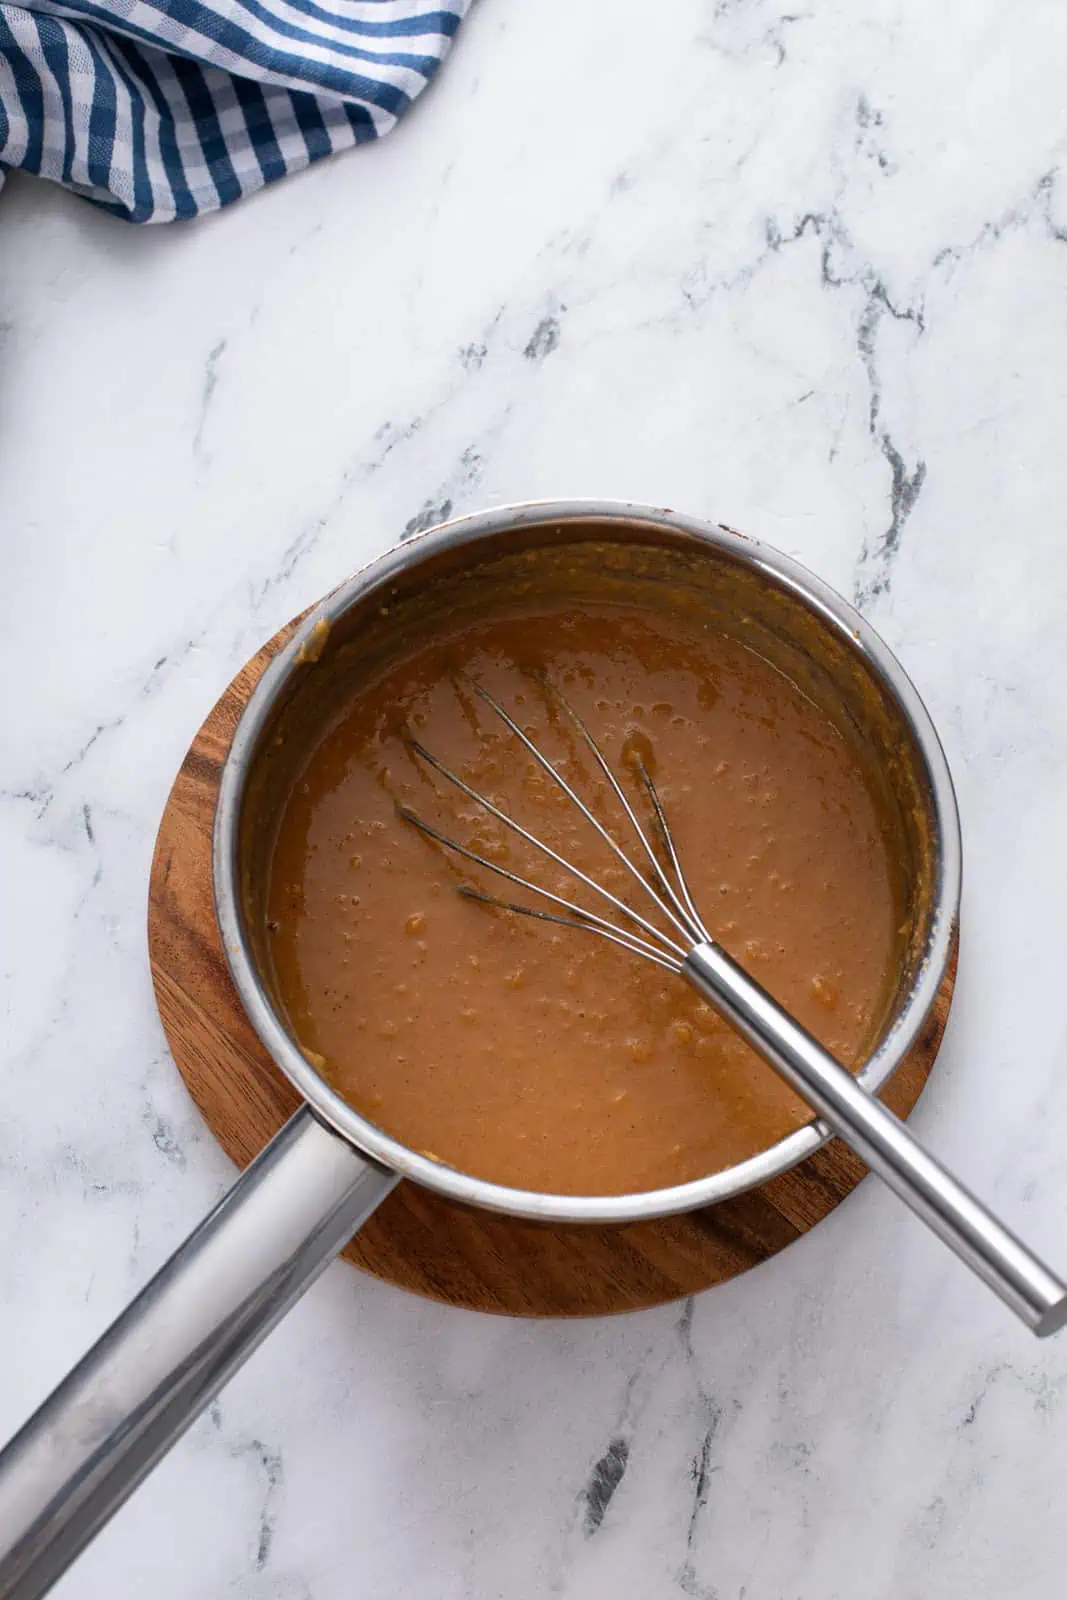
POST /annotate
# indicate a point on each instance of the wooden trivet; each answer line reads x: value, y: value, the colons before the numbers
x: 418, y: 1240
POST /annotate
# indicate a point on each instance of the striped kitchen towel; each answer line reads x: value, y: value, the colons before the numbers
x: 163, y: 109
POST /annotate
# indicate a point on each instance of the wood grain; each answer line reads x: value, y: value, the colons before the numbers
x: 417, y: 1240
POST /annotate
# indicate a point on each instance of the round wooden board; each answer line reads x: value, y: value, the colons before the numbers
x: 417, y: 1240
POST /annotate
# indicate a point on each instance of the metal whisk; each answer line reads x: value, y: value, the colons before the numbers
x: 669, y: 932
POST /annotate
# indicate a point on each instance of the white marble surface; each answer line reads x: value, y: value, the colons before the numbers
x: 802, y: 271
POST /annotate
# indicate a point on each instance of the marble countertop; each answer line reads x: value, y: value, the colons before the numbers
x: 800, y: 270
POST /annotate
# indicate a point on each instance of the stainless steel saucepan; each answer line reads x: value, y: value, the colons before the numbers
x: 292, y: 1211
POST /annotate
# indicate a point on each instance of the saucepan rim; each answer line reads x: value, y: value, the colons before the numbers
x: 470, y: 531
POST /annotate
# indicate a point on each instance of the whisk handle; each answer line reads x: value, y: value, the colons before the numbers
x: 1012, y: 1271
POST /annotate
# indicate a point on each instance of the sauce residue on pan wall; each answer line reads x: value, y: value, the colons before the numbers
x: 540, y: 1057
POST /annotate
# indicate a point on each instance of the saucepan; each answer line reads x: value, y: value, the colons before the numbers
x: 295, y: 1207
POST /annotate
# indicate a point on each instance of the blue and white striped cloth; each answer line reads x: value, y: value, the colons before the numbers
x: 164, y: 109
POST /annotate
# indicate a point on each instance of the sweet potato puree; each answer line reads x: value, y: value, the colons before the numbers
x: 537, y: 1056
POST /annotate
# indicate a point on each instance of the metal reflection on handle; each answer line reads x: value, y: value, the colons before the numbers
x: 171, y: 1351
x: 1022, y: 1281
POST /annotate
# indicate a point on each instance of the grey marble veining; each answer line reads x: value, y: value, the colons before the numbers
x: 800, y: 271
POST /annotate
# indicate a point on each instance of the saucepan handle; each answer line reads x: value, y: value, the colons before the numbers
x: 171, y: 1351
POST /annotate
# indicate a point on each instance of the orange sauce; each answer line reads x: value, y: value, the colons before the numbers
x: 543, y: 1057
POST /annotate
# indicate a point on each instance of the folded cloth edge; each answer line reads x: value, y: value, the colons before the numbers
x: 163, y: 112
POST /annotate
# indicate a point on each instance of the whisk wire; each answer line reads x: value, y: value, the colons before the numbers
x: 654, y: 933
x: 582, y: 919
x: 579, y: 917
x: 675, y: 904
x: 594, y: 821
x: 687, y: 922
x: 668, y: 844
